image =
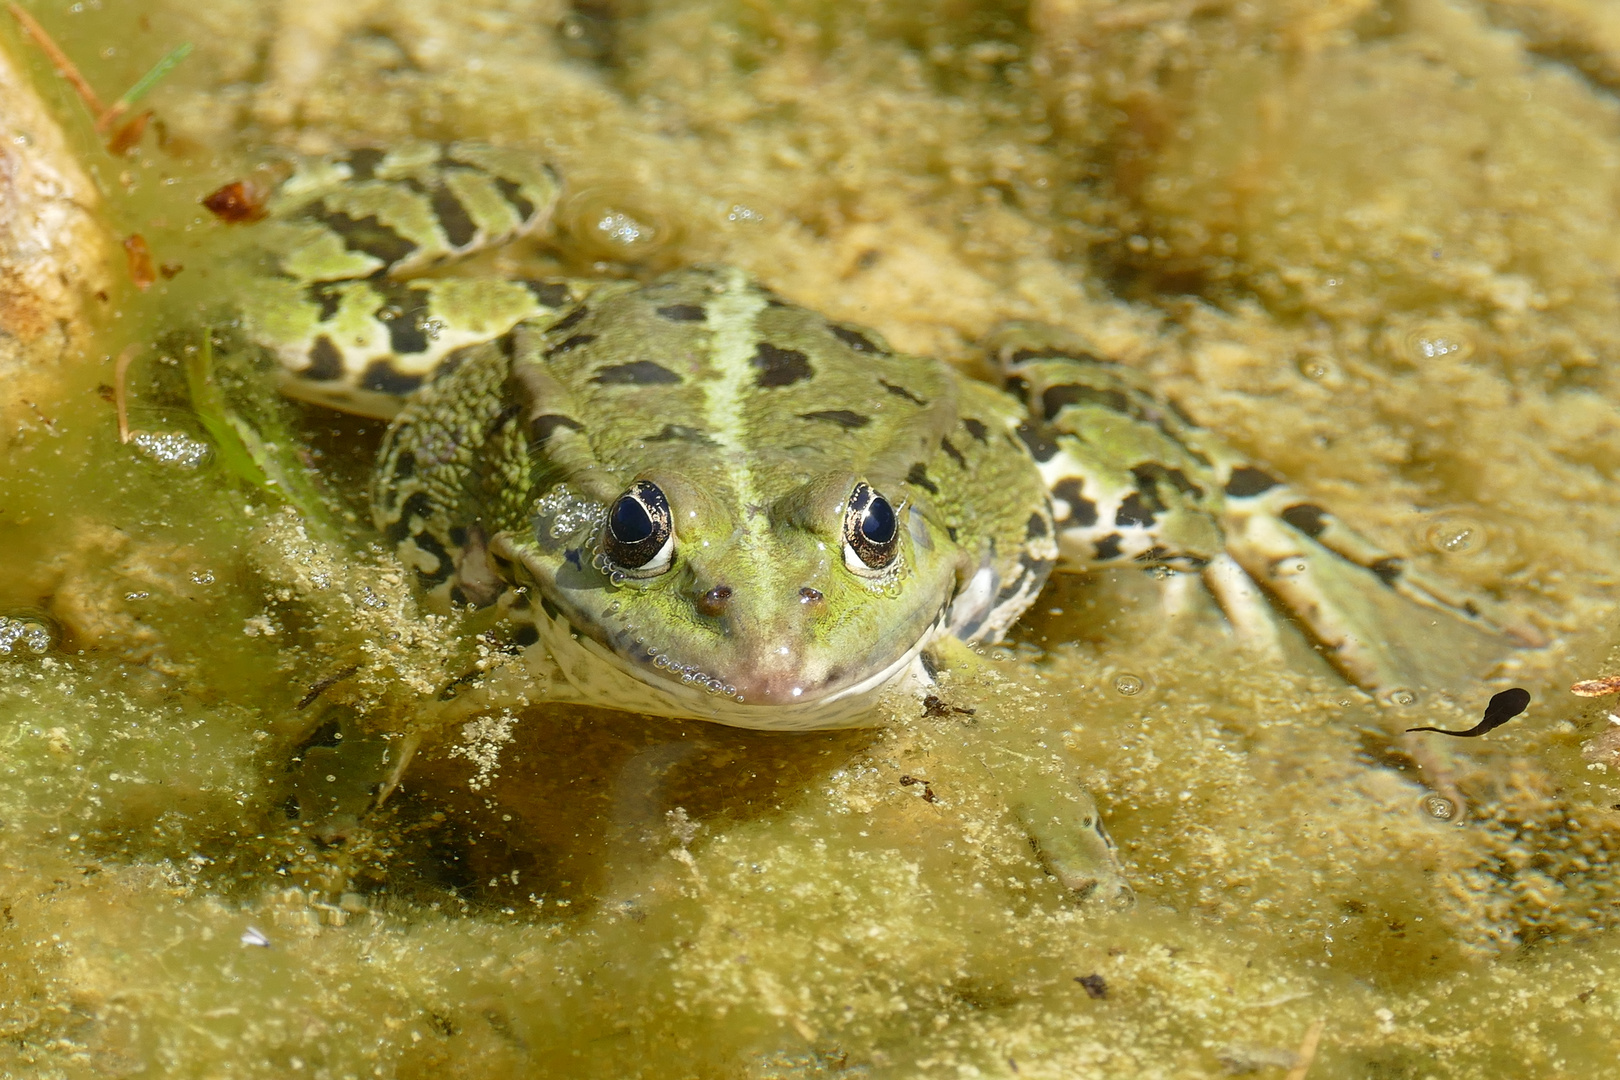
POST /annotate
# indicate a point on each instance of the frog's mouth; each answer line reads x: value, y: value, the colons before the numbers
x: 776, y: 690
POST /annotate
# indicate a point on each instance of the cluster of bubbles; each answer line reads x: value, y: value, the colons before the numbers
x: 568, y: 512
x: 692, y: 676
x: 172, y: 448
x: 1436, y: 341
x: 1453, y: 535
x: 615, y: 222
x: 25, y: 635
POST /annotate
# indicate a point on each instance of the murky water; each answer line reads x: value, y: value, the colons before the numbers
x: 1372, y: 243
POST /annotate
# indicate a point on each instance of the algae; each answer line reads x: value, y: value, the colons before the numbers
x: 1371, y: 241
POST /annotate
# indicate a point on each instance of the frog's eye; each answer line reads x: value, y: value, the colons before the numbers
x: 871, y: 531
x: 638, y: 538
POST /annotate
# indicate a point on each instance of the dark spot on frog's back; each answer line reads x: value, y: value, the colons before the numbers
x: 779, y: 367
x: 1053, y: 353
x: 682, y: 313
x: 1038, y: 440
x: 325, y: 362
x: 845, y: 419
x: 568, y: 321
x: 856, y: 340
x: 569, y: 344
x: 458, y: 225
x: 1054, y: 398
x: 900, y: 391
x: 950, y: 449
x: 1307, y: 518
x: 552, y: 294
x: 636, y: 373
x: 512, y: 192
x: 1036, y: 527
x: 365, y: 234
x: 325, y: 295
x: 1389, y: 569
x: 384, y: 378
x: 919, y: 476
x: 363, y: 163
x: 977, y: 429
x: 1247, y: 481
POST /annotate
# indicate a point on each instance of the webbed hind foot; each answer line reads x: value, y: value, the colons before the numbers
x: 1134, y: 481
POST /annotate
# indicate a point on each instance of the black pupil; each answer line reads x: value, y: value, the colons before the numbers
x: 630, y: 522
x: 878, y: 523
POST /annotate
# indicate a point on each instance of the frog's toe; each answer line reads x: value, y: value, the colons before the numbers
x: 1380, y: 637
x: 1067, y: 833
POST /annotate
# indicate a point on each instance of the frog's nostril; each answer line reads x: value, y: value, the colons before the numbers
x: 807, y: 595
x: 714, y: 601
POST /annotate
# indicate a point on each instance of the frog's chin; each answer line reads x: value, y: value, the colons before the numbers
x: 769, y: 703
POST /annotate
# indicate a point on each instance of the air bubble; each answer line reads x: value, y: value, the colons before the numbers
x: 1430, y: 342
x: 1456, y: 536
x: 1402, y: 697
x: 1439, y: 807
x: 1129, y: 685
x: 1318, y: 368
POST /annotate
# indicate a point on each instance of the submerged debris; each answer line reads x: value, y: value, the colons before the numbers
x: 1599, y: 687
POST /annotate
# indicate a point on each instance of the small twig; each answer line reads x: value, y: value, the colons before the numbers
x: 120, y: 395
x: 59, y: 59
x: 1608, y: 684
x: 50, y: 425
x: 323, y: 684
x: 1307, y: 1050
x: 142, y: 85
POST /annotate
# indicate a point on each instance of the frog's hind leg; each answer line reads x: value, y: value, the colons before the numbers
x: 1333, y: 579
x: 1127, y: 485
x: 345, y: 311
x: 1135, y: 480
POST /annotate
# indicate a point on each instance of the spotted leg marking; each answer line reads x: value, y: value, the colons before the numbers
x: 346, y: 313
x: 1134, y: 480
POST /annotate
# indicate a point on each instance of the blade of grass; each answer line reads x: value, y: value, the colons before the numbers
x: 236, y: 452
x: 272, y: 467
x: 143, y: 85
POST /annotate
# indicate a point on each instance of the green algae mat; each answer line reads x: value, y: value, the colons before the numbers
x: 1373, y: 243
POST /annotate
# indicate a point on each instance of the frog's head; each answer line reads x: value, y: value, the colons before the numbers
x: 736, y: 609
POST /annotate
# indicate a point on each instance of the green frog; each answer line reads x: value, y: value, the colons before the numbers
x: 692, y: 497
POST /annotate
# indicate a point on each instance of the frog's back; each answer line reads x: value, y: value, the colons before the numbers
x: 706, y: 365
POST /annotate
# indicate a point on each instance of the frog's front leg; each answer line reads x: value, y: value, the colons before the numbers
x: 1032, y: 775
